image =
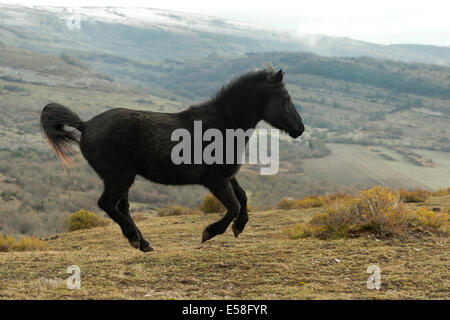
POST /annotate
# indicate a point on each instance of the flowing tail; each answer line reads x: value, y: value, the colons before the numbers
x: 53, y: 119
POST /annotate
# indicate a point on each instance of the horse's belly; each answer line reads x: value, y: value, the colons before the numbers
x: 188, y: 173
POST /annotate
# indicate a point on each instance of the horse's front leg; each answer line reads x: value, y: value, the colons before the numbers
x: 242, y: 217
x: 223, y: 191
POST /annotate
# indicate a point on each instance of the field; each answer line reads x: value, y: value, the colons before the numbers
x: 356, y: 165
x: 261, y: 264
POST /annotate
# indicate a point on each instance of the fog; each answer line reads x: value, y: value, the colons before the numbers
x: 385, y: 22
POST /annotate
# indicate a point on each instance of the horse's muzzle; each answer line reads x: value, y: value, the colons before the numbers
x: 297, y: 133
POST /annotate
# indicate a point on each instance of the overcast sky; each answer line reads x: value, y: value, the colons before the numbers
x: 381, y: 21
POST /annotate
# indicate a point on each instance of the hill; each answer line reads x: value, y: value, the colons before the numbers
x: 401, y: 133
x: 156, y: 34
x: 228, y: 268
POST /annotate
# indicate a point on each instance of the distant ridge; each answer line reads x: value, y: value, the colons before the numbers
x: 157, y: 34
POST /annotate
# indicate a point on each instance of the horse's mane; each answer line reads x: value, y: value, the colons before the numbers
x: 240, y: 85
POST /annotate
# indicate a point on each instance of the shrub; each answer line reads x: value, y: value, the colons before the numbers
x: 176, y: 211
x: 337, y: 196
x: 415, y: 196
x: 9, y: 243
x: 84, y: 219
x: 431, y: 220
x: 312, y: 202
x: 288, y: 204
x: 377, y: 210
x: 305, y: 203
x: 441, y: 192
x: 211, y: 204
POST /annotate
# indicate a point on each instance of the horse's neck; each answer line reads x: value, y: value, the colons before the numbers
x: 237, y: 116
x: 224, y: 116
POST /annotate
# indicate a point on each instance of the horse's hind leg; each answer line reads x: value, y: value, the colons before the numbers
x: 242, y: 217
x: 124, y: 208
x: 223, y: 191
x: 112, y: 194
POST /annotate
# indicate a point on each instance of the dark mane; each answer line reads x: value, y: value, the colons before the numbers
x: 238, y: 88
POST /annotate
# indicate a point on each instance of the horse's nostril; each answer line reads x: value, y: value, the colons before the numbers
x: 302, y: 129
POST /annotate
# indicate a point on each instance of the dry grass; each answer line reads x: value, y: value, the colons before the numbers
x: 176, y: 211
x: 414, y: 196
x: 441, y: 192
x: 314, y: 201
x: 9, y: 243
x: 378, y: 211
x: 261, y: 264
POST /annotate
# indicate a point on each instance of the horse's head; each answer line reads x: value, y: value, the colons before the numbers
x: 279, y: 110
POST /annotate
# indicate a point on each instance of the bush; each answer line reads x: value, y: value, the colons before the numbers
x: 312, y: 202
x: 176, y: 211
x: 25, y: 244
x: 84, y: 219
x: 378, y: 211
x: 211, y: 204
x: 287, y: 204
x: 337, y: 196
x: 415, y: 196
x: 431, y: 219
x: 441, y: 192
x: 305, y: 203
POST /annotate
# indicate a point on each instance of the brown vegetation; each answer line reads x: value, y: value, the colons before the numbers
x: 378, y: 210
x: 84, y: 219
x: 9, y: 243
x: 176, y: 211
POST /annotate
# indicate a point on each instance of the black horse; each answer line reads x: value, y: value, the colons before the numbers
x: 120, y: 144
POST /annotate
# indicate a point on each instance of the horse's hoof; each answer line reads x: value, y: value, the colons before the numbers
x: 146, y: 249
x: 144, y: 246
x: 237, y: 229
x: 134, y: 244
x: 236, y: 232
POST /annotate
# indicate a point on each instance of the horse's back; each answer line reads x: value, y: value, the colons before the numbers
x: 122, y: 141
x: 130, y: 140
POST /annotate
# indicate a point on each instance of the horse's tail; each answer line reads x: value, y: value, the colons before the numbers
x: 54, y: 118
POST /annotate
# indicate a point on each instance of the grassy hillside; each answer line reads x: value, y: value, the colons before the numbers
x: 36, y: 195
x: 261, y: 264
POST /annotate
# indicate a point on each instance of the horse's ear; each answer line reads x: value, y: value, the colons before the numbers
x: 279, y: 76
